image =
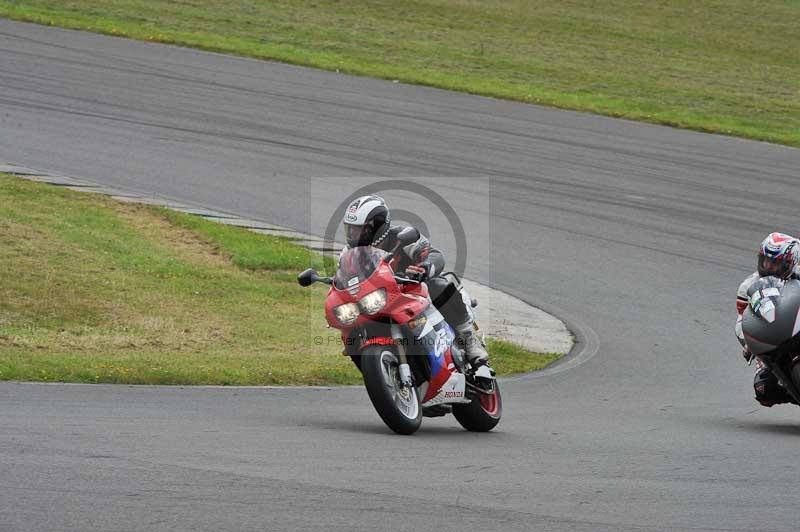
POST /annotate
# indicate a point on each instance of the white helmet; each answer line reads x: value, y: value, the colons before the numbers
x: 366, y: 221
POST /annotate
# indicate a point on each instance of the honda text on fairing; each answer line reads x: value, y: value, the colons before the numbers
x: 771, y: 329
x: 405, y: 349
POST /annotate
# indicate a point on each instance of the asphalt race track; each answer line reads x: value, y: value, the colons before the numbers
x: 638, y: 235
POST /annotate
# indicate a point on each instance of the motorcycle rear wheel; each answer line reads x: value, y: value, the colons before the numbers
x: 398, y: 406
x: 483, y: 413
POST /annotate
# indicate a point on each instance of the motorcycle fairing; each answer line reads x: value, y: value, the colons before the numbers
x: 435, y: 336
x: 378, y: 340
x: 452, y: 391
x: 771, y: 318
x: 402, y: 303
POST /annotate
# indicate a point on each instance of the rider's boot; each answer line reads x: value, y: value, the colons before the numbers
x: 473, y: 348
x: 768, y: 391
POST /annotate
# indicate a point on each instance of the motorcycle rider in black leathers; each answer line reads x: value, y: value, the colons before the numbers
x: 367, y: 222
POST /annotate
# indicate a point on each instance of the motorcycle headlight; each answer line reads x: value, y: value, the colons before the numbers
x: 373, y: 302
x: 347, y: 313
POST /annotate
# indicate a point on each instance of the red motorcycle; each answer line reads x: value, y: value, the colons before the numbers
x: 402, y: 344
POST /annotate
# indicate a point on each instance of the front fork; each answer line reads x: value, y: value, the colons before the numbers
x: 405, y: 369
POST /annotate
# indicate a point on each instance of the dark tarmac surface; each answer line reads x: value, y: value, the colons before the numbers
x: 636, y: 234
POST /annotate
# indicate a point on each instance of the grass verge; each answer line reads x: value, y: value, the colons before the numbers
x: 509, y: 358
x: 729, y: 67
x: 93, y: 290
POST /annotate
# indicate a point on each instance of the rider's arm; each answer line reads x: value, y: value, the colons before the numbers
x: 741, y: 304
x: 422, y: 251
x: 742, y: 299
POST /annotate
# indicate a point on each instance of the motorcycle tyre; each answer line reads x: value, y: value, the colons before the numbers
x: 474, y: 415
x: 381, y: 393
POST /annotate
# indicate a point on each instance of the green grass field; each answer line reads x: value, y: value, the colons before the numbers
x: 94, y: 290
x: 728, y: 66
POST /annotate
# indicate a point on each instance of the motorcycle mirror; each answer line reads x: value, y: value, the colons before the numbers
x: 308, y: 277
x: 408, y: 235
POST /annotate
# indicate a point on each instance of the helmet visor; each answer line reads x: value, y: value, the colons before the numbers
x: 358, y: 235
x: 772, y: 266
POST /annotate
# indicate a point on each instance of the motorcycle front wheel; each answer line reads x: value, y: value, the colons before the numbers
x: 481, y: 414
x: 398, y: 405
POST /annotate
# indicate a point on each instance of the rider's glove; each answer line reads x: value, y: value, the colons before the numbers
x: 419, y: 272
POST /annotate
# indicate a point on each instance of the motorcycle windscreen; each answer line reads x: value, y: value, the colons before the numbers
x: 357, y: 265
